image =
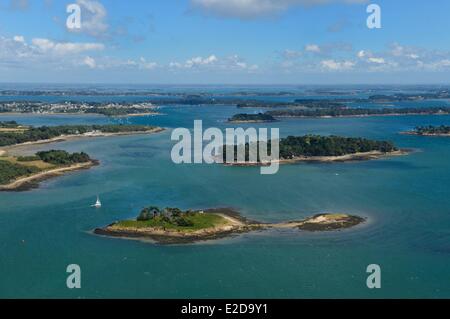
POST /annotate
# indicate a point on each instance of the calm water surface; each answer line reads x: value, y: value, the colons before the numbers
x: 406, y: 200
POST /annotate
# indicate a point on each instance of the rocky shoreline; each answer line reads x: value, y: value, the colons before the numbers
x: 328, y: 159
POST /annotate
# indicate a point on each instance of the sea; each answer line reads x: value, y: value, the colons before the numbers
x: 406, y: 200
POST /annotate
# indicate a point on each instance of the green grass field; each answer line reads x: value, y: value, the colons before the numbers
x: 199, y: 222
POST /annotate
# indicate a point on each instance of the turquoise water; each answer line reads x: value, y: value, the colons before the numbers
x: 406, y: 200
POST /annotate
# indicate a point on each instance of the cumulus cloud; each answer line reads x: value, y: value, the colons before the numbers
x: 199, y: 61
x: 249, y: 9
x: 146, y: 65
x: 19, y: 38
x: 399, y: 57
x: 40, y: 52
x: 90, y: 62
x: 312, y: 48
x: 334, y: 65
x: 64, y: 48
x: 213, y: 63
x: 368, y: 57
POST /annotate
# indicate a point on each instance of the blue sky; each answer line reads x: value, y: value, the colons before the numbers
x: 225, y: 42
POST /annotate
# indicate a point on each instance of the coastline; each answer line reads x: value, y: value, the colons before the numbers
x: 32, y: 181
x: 426, y: 134
x: 328, y: 159
x: 137, y: 114
x: 235, y: 224
x: 78, y: 114
x: 65, y: 138
x: 354, y: 116
x: 251, y: 122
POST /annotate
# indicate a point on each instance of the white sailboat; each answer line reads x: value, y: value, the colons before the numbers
x: 98, y: 203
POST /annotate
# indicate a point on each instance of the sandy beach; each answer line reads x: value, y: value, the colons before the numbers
x: 27, y: 182
x: 64, y: 138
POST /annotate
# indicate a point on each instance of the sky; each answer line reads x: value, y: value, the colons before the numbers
x: 225, y: 42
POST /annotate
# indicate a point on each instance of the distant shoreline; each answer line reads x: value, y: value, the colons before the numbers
x: 80, y: 114
x: 251, y: 121
x: 356, y: 116
x: 426, y: 134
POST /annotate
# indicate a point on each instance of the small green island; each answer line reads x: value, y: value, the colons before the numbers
x: 316, y: 148
x: 252, y: 118
x: 19, y: 173
x: 174, y: 226
x: 442, y: 130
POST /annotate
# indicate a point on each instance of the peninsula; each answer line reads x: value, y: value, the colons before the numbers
x: 20, y: 173
x: 20, y: 135
x: 174, y: 226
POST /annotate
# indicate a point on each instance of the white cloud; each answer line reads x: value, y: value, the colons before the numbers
x: 64, y: 48
x: 248, y: 9
x: 213, y: 63
x: 90, y: 62
x: 175, y: 65
x: 144, y: 64
x: 44, y: 53
x: 377, y: 60
x: 312, y: 48
x: 336, y: 65
x: 199, y: 61
x: 361, y: 54
x: 19, y: 38
x: 369, y: 57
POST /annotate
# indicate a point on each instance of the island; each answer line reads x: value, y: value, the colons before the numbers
x: 357, y: 112
x: 252, y: 118
x: 20, y: 173
x: 442, y: 130
x: 174, y: 226
x: 316, y: 148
